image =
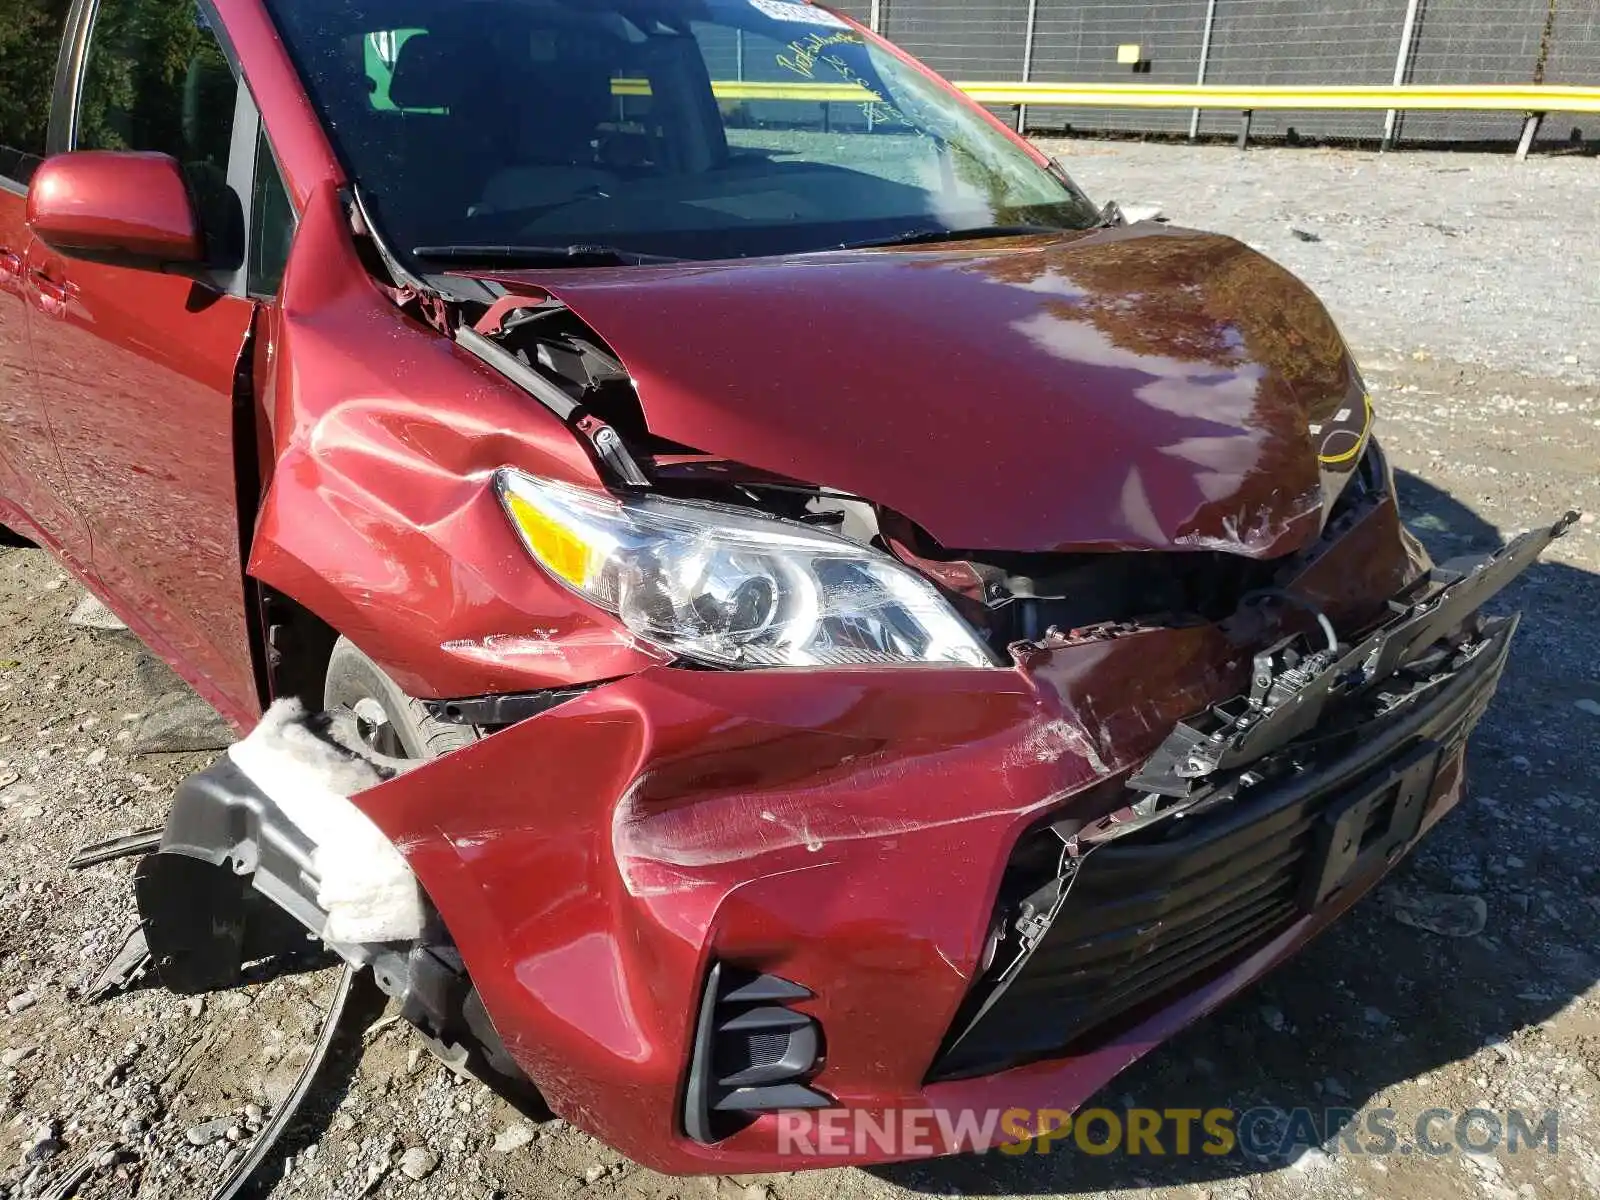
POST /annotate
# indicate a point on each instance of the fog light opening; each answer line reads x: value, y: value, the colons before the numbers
x: 752, y: 1053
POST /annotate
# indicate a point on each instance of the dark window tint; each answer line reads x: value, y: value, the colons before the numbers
x: 30, y: 39
x: 272, y: 225
x: 157, y: 79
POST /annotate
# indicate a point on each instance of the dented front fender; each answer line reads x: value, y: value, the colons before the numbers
x: 378, y: 515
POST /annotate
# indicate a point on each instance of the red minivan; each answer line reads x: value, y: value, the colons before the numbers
x: 844, y: 626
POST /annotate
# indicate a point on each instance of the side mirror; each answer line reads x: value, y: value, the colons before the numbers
x: 118, y: 207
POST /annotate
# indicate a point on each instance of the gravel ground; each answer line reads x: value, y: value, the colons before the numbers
x: 1468, y: 286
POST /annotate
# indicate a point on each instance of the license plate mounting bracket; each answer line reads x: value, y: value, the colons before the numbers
x: 1360, y: 833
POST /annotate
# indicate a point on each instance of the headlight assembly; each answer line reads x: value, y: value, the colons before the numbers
x: 728, y: 587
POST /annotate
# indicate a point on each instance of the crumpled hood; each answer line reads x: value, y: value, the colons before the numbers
x: 1137, y: 388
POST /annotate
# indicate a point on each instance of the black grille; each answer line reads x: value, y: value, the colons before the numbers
x: 753, y: 1050
x: 1141, y: 916
x: 1156, y: 911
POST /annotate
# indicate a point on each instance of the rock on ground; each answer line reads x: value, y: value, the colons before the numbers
x: 181, y: 722
x: 91, y: 614
x: 418, y: 1163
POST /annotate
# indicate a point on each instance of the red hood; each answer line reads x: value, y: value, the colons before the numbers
x: 1141, y: 388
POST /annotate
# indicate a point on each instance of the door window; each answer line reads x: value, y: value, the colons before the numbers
x: 156, y: 79
x: 30, y: 40
x: 271, y: 223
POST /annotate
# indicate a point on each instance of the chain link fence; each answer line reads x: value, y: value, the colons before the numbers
x: 1285, y: 42
x: 1476, y: 41
x: 1573, y: 58
x: 1290, y: 42
x: 1070, y: 47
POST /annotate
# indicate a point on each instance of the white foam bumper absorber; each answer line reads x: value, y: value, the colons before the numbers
x: 364, y: 884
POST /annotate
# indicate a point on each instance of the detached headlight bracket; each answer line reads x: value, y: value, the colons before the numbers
x: 604, y: 442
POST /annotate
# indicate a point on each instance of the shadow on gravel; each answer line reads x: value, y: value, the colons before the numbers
x: 1376, y: 1004
x: 312, y: 1121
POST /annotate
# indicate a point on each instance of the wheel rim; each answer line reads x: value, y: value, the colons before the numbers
x: 376, y: 730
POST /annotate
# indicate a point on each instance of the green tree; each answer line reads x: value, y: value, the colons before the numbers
x: 153, y: 77
x: 30, y: 39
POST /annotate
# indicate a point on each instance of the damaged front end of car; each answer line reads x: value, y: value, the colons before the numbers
x: 1250, y: 815
x: 931, y: 702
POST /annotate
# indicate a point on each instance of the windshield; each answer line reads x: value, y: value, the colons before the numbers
x: 678, y: 128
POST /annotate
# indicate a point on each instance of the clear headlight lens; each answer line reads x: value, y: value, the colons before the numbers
x: 724, y: 586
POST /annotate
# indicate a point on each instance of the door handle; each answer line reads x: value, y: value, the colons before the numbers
x: 54, y: 294
x: 10, y: 266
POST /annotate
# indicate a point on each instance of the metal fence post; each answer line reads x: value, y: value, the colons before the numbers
x: 875, y: 16
x: 1402, y: 66
x: 1530, y: 130
x: 1027, y: 59
x: 1205, y: 62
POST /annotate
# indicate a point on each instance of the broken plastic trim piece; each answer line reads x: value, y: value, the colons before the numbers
x: 1291, y: 690
x: 506, y: 709
x: 142, y: 841
x: 607, y: 446
x: 131, y: 963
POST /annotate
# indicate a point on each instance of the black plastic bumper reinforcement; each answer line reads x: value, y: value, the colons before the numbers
x: 752, y: 1053
x: 1140, y: 917
x: 1291, y: 689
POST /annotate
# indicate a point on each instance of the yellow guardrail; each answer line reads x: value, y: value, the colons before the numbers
x: 729, y: 89
x: 1526, y: 98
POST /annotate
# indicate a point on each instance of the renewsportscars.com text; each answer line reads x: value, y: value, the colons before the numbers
x: 1262, y: 1132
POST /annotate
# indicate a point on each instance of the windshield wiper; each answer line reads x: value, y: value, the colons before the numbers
x: 913, y: 237
x: 577, y: 255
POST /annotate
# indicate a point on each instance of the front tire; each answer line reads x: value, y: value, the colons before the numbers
x: 399, y: 726
x: 389, y: 721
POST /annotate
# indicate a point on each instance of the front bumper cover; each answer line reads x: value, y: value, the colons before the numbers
x: 849, y: 831
x: 1154, y: 900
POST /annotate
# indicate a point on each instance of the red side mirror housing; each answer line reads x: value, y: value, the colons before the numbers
x: 127, y: 208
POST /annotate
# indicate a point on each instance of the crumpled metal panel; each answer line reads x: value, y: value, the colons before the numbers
x: 1138, y: 388
x: 379, y: 516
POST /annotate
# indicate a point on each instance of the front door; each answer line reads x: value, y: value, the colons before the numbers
x: 33, y: 497
x: 136, y: 368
